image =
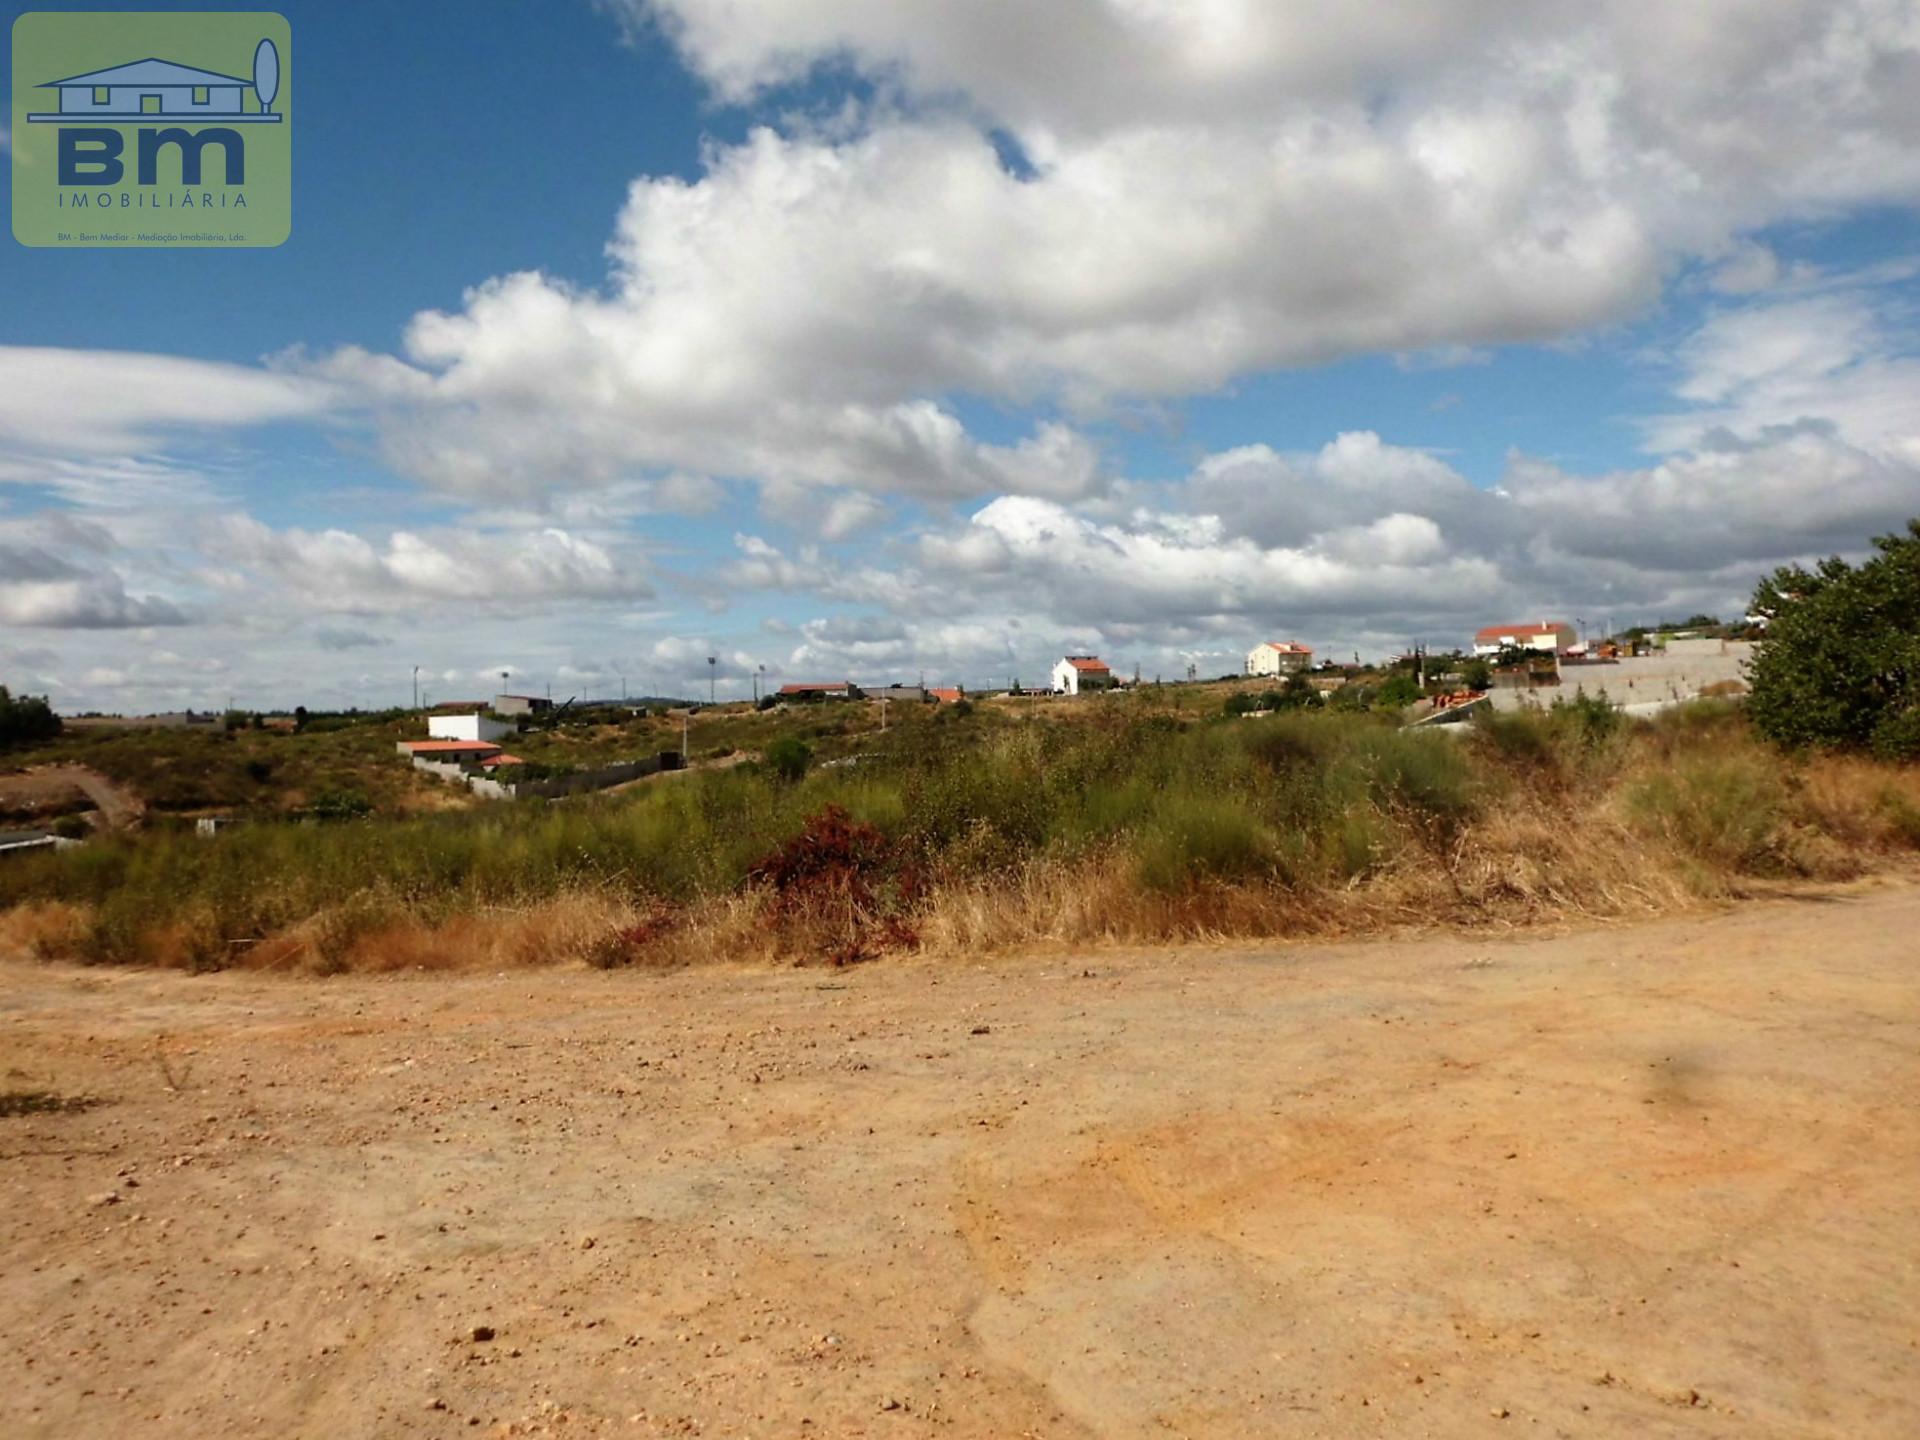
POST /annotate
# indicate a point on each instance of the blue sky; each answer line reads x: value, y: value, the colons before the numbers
x: 613, y: 335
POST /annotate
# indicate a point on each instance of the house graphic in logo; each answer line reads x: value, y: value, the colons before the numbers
x: 164, y: 89
x: 136, y: 129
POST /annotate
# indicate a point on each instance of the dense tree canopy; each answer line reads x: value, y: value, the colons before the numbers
x: 1840, y: 664
x: 25, y: 719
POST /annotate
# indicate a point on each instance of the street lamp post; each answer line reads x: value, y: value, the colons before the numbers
x: 713, y: 673
x: 416, y: 687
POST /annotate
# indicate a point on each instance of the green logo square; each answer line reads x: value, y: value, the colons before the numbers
x: 142, y: 129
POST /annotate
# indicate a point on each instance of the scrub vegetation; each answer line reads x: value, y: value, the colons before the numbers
x: 1128, y: 820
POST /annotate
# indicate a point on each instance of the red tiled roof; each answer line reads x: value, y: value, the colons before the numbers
x: 1087, y: 662
x: 452, y: 747
x: 1289, y: 647
x: 1530, y: 627
x: 501, y: 759
x: 946, y: 696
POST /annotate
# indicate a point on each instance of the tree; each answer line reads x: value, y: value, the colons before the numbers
x: 788, y: 757
x: 26, y: 719
x: 1298, y: 694
x: 1397, y: 692
x: 1476, y: 674
x: 1840, y: 664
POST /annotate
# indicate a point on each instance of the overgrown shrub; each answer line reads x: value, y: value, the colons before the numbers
x: 1840, y: 662
x: 1723, y: 808
x: 1189, y: 839
x: 1192, y: 825
x: 789, y: 757
x: 843, y: 883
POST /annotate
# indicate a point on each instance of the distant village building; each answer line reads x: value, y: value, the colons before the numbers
x: 467, y: 727
x: 521, y: 704
x: 824, y: 690
x: 1278, y: 657
x: 1551, y: 636
x: 904, y: 693
x: 1076, y: 673
x: 947, y: 695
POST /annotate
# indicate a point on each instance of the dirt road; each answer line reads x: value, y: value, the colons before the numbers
x: 58, y: 788
x: 1653, y: 1181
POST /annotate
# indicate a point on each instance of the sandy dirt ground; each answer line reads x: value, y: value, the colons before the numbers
x: 60, y: 788
x: 1649, y: 1181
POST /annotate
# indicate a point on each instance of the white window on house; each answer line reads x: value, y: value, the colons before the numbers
x: 102, y: 95
x: 199, y: 94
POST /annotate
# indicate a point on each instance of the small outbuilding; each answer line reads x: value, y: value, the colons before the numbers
x: 467, y: 727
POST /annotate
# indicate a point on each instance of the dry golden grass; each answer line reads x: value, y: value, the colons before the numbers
x: 43, y: 930
x: 1538, y: 821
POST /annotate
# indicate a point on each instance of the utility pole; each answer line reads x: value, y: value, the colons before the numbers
x: 416, y: 687
x: 713, y: 672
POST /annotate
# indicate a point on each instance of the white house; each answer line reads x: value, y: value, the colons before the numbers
x: 1278, y: 657
x: 467, y: 727
x: 1548, y: 635
x: 1081, y: 672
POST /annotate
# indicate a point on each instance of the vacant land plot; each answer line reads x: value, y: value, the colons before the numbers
x: 1648, y: 1181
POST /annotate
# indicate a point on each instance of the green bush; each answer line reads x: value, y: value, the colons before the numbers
x: 1190, y: 838
x: 1589, y: 720
x: 789, y: 757
x: 1725, y: 808
x: 1840, y: 663
x: 1396, y: 692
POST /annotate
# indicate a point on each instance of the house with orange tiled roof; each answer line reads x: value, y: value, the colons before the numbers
x: 1279, y: 657
x: 455, y: 752
x: 1548, y: 635
x: 1077, y: 673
